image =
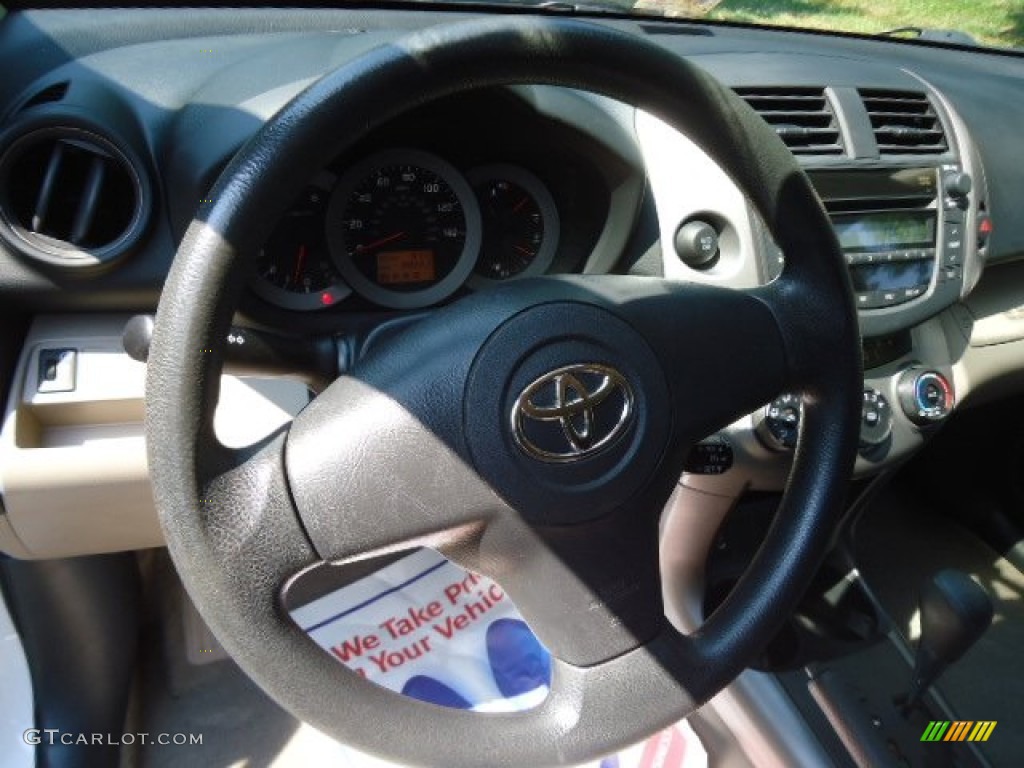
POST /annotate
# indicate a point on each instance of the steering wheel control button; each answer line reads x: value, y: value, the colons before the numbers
x: 875, y: 421
x: 780, y: 425
x: 926, y: 396
x: 696, y: 243
x: 572, y: 412
x: 713, y: 456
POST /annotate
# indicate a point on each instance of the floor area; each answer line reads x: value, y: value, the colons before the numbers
x: 243, y: 728
x: 900, y: 543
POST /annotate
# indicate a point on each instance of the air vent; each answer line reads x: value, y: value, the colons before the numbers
x: 70, y: 197
x: 802, y: 117
x: 48, y: 95
x: 904, y: 122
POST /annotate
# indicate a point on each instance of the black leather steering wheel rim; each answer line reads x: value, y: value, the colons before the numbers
x: 230, y: 517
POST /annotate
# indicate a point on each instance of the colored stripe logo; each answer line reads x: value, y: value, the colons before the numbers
x: 959, y: 730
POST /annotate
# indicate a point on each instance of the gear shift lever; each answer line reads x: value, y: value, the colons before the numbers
x: 955, y: 612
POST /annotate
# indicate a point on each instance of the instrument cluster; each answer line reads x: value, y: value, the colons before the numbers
x: 405, y: 229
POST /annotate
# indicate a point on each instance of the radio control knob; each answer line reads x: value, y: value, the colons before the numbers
x: 957, y: 183
x: 926, y: 396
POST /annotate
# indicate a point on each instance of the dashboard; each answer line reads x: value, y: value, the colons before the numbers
x: 107, y: 154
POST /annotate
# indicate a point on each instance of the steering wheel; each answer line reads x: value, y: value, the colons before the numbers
x: 454, y: 434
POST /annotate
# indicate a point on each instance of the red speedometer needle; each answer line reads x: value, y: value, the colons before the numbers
x: 300, y: 262
x: 524, y: 251
x: 378, y: 243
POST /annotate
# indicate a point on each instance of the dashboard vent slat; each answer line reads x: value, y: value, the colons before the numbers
x: 802, y: 117
x: 904, y: 122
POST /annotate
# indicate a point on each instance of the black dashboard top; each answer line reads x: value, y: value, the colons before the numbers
x: 178, y: 93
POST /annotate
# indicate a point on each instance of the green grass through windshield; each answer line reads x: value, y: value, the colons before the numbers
x: 990, y: 22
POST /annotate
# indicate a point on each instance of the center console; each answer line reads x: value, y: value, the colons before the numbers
x: 913, y: 236
x: 907, y: 197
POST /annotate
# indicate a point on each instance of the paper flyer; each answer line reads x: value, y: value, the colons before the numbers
x: 431, y: 630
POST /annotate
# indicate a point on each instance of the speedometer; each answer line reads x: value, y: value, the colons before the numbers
x: 404, y: 228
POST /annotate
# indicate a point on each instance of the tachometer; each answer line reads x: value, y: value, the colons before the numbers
x: 520, y: 223
x: 294, y: 270
x: 404, y: 228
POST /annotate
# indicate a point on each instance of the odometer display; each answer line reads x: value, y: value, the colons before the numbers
x: 405, y: 267
x: 404, y: 228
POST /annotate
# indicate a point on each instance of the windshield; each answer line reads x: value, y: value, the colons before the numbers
x: 979, y: 22
x: 995, y: 23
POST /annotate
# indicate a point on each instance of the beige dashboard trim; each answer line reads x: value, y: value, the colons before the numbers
x: 73, y: 468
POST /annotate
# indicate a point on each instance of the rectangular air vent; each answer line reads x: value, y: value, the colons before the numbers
x: 904, y: 122
x: 802, y: 117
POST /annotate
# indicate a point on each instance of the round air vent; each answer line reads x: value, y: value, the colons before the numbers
x: 70, y: 196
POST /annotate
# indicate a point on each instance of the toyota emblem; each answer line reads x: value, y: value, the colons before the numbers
x: 573, y: 412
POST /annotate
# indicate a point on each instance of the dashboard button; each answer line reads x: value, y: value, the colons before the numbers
x: 58, y: 370
x: 876, y: 420
x: 713, y: 456
x: 949, y: 274
x: 913, y: 293
x: 780, y: 423
x: 866, y: 300
x: 697, y: 244
x: 984, y: 229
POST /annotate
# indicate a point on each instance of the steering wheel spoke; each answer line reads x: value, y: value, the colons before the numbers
x: 369, y: 478
x: 723, y: 351
x: 591, y: 592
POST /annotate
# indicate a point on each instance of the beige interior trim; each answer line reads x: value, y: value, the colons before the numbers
x: 73, y: 469
x: 762, y: 719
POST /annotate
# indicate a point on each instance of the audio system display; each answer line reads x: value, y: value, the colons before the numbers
x: 891, y: 254
x: 885, y: 232
x: 899, y: 229
x: 907, y: 276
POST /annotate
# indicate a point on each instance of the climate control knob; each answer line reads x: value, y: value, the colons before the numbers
x: 926, y: 396
x: 875, y: 420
